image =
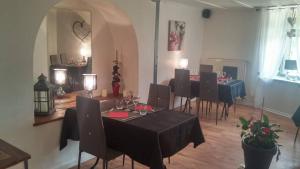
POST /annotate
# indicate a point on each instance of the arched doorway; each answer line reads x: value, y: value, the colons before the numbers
x: 112, y: 32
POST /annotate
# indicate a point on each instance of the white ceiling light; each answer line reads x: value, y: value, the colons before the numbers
x: 243, y: 3
x: 210, y: 4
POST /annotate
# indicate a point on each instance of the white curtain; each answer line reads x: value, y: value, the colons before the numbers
x: 297, y: 39
x: 274, y: 46
x: 273, y: 43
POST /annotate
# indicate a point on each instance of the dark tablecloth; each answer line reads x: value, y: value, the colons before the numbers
x: 228, y: 92
x: 147, y: 139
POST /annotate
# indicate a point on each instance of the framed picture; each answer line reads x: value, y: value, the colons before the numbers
x: 176, y: 35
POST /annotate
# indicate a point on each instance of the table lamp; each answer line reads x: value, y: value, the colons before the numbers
x: 183, y: 63
x: 291, y: 67
x: 60, y: 76
x: 90, y: 83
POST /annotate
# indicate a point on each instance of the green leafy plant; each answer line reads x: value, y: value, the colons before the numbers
x: 260, y: 133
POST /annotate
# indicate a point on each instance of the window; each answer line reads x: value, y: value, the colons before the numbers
x: 279, y: 45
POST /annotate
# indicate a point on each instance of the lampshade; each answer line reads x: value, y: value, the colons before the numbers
x: 290, y: 65
x: 60, y: 76
x: 183, y: 63
x: 85, y: 51
x: 90, y: 82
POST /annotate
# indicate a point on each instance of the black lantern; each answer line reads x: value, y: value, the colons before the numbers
x: 43, y: 97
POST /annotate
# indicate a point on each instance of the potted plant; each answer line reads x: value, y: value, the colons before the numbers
x: 259, y: 142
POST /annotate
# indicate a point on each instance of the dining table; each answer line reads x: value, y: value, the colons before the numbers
x: 228, y: 90
x: 146, y: 139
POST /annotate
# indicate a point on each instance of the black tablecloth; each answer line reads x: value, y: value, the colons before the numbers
x: 147, y: 139
x: 228, y: 92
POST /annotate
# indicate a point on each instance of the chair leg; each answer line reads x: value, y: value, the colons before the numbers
x: 169, y: 160
x: 226, y: 111
x: 223, y: 110
x: 123, y: 159
x: 103, y: 164
x: 79, y: 159
x: 185, y: 105
x: 202, y: 109
x: 106, y: 165
x: 132, y: 164
x: 95, y: 163
x: 234, y: 108
x: 296, y: 135
x: 190, y: 106
x: 206, y: 108
x: 217, y: 114
x: 180, y: 103
x: 202, y: 106
x: 174, y: 101
x: 217, y: 109
x: 198, y: 106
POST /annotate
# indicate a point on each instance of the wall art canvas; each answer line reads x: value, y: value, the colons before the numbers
x: 176, y: 35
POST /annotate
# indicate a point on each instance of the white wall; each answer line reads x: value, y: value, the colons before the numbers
x: 67, y: 42
x: 51, y: 32
x: 142, y: 15
x: 40, y: 59
x: 232, y: 34
x: 193, y: 39
x: 20, y: 24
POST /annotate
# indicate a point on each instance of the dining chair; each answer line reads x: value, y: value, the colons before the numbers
x: 106, y: 106
x: 64, y: 59
x: 206, y: 68
x: 182, y: 88
x: 231, y: 71
x: 296, y: 120
x: 159, y: 96
x: 91, y: 132
x: 208, y: 92
x: 55, y: 60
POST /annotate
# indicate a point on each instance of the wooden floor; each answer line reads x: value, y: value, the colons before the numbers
x: 222, y: 149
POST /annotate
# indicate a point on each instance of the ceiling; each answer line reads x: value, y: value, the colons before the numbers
x: 240, y: 3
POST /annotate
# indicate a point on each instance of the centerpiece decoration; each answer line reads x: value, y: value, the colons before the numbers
x: 259, y: 142
x: 116, y: 76
x: 143, y: 109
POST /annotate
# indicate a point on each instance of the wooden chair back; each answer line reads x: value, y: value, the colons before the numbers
x: 209, y: 86
x: 231, y: 71
x: 182, y: 83
x: 55, y: 60
x: 91, y: 130
x: 159, y: 96
x: 206, y: 68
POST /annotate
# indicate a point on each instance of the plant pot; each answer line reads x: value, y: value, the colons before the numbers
x: 116, y: 89
x: 258, y: 158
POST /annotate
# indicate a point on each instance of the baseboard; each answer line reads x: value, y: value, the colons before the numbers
x: 284, y: 114
x: 72, y: 163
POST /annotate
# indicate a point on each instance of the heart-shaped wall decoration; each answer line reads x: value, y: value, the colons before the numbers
x: 81, y: 29
x: 292, y: 21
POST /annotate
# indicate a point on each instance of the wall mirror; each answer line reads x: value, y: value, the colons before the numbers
x: 69, y: 45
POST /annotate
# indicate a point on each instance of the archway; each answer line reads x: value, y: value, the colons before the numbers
x: 111, y: 31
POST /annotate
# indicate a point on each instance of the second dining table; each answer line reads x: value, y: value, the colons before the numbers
x: 146, y: 139
x: 228, y: 91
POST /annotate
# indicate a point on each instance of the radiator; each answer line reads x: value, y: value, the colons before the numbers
x: 218, y: 64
